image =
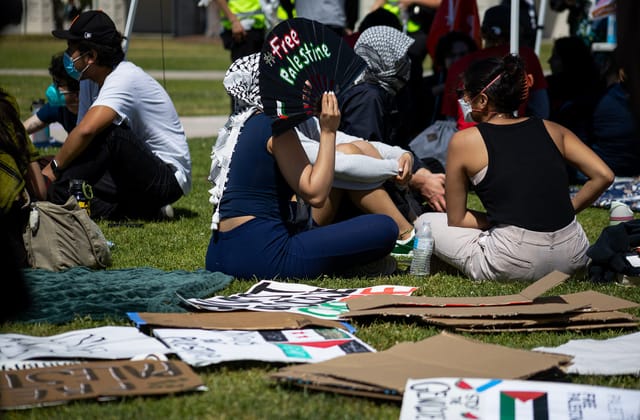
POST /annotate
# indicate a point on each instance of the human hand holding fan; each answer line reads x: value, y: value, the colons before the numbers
x: 300, y: 60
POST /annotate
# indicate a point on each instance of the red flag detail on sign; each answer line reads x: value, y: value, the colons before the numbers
x: 454, y: 15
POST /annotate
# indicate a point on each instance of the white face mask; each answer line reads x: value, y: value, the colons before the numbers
x: 467, y: 109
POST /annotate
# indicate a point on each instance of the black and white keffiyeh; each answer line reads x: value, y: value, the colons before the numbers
x: 384, y: 49
x: 241, y: 83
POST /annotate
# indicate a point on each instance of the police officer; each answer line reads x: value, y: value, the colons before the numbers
x: 243, y: 23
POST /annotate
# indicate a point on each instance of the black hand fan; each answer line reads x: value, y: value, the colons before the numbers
x: 300, y: 60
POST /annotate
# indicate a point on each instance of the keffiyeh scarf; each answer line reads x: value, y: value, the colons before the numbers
x: 241, y: 83
x: 384, y: 49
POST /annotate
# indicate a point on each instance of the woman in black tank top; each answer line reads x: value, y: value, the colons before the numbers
x: 517, y: 167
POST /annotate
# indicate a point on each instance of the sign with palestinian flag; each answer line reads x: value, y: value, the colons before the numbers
x: 487, y: 399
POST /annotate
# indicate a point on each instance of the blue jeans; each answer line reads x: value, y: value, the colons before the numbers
x: 266, y: 249
x: 128, y: 179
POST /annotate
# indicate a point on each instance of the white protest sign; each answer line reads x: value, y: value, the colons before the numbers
x: 487, y: 399
x: 93, y: 343
x: 206, y: 347
x: 614, y: 356
x: 293, y: 297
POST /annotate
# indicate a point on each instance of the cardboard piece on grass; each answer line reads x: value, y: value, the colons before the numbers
x: 445, y: 354
x: 96, y: 380
x: 524, y: 297
x: 576, y: 321
x: 551, y: 308
x: 611, y: 325
x: 231, y: 320
x: 589, y: 301
x: 599, y: 301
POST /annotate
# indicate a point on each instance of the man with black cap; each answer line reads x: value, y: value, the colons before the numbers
x: 130, y: 144
x: 496, y: 28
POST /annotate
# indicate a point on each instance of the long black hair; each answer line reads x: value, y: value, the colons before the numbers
x: 503, y: 80
x: 13, y: 137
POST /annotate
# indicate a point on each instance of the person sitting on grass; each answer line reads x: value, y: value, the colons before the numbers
x: 131, y: 131
x: 516, y: 165
x: 20, y: 178
x: 62, y: 96
x: 255, y: 175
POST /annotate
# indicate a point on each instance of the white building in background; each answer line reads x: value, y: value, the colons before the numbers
x: 184, y: 17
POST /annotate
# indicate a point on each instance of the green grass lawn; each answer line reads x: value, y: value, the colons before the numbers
x: 241, y: 390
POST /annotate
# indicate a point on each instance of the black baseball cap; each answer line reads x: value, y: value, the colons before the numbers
x: 497, y: 21
x: 92, y: 25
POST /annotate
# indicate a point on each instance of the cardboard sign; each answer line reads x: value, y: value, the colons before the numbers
x: 384, y: 374
x: 206, y: 347
x: 476, y: 398
x: 297, y: 298
x: 577, y: 321
x: 576, y: 311
x: 233, y: 321
x: 524, y: 297
x: 54, y: 385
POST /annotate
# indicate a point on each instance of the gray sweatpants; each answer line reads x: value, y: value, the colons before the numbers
x: 509, y: 252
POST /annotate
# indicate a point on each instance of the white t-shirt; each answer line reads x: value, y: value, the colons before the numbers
x: 142, y: 104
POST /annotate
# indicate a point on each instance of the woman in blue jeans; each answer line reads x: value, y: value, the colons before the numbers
x: 255, y: 175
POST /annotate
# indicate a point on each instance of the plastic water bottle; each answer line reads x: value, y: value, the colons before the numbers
x: 422, y: 248
x: 82, y: 192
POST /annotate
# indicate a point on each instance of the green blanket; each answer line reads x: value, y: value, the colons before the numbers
x: 59, y: 296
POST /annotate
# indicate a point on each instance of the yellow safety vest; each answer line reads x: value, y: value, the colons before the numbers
x: 244, y: 9
x: 282, y: 14
x: 394, y: 7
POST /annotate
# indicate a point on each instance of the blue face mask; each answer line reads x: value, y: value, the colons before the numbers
x: 54, y: 97
x: 70, y: 68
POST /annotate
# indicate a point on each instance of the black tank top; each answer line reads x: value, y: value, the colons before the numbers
x: 526, y: 183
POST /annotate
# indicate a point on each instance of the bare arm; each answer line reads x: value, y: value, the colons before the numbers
x: 311, y: 182
x: 95, y: 121
x: 35, y: 182
x: 237, y: 30
x: 376, y: 5
x: 582, y: 157
x: 33, y: 124
x: 431, y: 186
x: 456, y: 185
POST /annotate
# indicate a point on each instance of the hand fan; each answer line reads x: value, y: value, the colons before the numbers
x: 300, y: 60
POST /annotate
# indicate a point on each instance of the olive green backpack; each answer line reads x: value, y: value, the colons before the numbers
x: 58, y: 237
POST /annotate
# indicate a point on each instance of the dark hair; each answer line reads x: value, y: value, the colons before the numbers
x: 379, y: 17
x: 508, y: 90
x: 60, y: 75
x: 445, y: 44
x: 579, y: 73
x: 13, y: 137
x: 108, y: 55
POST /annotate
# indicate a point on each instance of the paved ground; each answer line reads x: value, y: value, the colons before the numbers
x: 158, y: 74
x: 193, y: 126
